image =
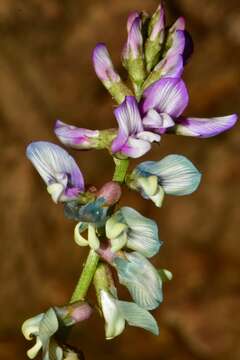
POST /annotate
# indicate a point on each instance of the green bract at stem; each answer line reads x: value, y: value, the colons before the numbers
x: 85, y: 277
x: 120, y: 169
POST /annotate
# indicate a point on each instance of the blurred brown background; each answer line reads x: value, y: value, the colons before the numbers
x: 45, y: 74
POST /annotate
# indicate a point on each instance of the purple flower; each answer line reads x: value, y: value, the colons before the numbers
x: 204, y: 127
x: 75, y: 137
x: 103, y: 65
x: 133, y: 47
x: 131, y: 140
x: 58, y: 170
x: 164, y: 102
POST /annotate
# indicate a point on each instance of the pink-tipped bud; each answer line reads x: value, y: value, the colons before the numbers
x: 111, y: 192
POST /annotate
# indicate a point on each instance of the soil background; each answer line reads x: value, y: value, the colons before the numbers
x: 46, y: 74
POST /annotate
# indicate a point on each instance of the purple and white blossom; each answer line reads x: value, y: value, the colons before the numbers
x: 77, y: 138
x: 132, y: 140
x: 58, y: 169
x: 103, y: 65
x: 163, y: 104
x: 204, y: 127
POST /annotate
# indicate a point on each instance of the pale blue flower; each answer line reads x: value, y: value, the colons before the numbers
x: 43, y: 327
x: 128, y: 228
x: 117, y: 312
x: 58, y: 169
x: 173, y: 175
x: 141, y: 278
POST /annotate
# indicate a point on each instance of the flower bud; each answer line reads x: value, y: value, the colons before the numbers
x: 110, y: 192
x: 77, y: 138
x: 133, y: 58
x: 106, y: 73
x: 155, y: 39
x: 74, y: 313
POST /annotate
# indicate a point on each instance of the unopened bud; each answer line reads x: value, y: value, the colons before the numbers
x: 106, y: 73
x: 155, y: 39
x: 74, y: 313
x: 111, y: 192
x: 133, y: 58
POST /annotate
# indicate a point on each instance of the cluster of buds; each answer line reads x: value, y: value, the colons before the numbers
x: 121, y: 239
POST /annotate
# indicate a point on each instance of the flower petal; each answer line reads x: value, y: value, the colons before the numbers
x: 103, y: 64
x: 158, y: 122
x: 136, y: 316
x: 149, y: 136
x: 129, y: 122
x: 132, y: 16
x: 141, y: 279
x: 133, y: 46
x: 178, y: 44
x: 32, y: 353
x: 170, y: 66
x: 177, y: 175
x: 115, y: 322
x: 167, y: 95
x: 48, y: 326
x: 55, y: 165
x: 30, y: 327
x: 135, y: 148
x: 78, y: 238
x: 204, y: 127
x: 142, y: 234
x: 75, y: 137
x: 93, y: 240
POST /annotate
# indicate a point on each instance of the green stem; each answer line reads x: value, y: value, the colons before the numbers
x: 120, y: 170
x: 85, y: 277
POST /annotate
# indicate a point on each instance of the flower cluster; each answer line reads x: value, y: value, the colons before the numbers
x: 121, y: 239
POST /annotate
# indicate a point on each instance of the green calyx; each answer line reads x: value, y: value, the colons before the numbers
x: 119, y: 91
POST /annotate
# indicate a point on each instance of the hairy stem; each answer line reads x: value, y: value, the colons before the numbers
x: 120, y: 169
x: 85, y: 277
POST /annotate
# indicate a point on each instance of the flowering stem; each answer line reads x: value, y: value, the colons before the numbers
x: 120, y: 169
x: 90, y: 266
x: 85, y: 277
